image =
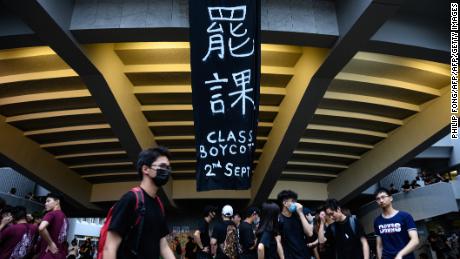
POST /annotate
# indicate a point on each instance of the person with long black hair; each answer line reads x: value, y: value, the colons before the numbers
x: 268, y: 233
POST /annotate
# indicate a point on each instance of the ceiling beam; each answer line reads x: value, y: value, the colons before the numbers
x: 335, y: 143
x: 80, y: 142
x: 187, y: 89
x: 307, y: 191
x: 358, y: 21
x: 53, y: 114
x: 310, y: 174
x: 31, y: 160
x: 185, y: 68
x: 44, y: 96
x: 268, y: 171
x: 317, y: 164
x: 346, y: 130
x: 100, y: 165
x: 37, y: 76
x: 191, y: 123
x: 66, y: 129
x: 88, y: 154
x: 359, y: 116
x: 111, y: 67
x: 419, y: 133
x: 358, y: 98
x: 189, y: 107
x: 328, y: 154
x: 51, y: 22
x: 416, y: 88
x: 419, y: 64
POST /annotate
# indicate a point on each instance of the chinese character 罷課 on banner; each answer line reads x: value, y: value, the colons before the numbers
x: 225, y: 61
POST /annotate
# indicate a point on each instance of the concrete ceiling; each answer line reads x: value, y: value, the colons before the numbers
x: 74, y: 116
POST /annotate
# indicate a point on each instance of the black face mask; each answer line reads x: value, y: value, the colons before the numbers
x: 162, y: 176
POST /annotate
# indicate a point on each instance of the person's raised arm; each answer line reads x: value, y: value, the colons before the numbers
x: 321, y: 238
x: 307, y: 227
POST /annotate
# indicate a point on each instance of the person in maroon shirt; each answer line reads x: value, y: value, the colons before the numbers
x: 17, y: 240
x: 53, y: 229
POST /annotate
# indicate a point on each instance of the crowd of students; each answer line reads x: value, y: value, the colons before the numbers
x: 286, y: 229
x: 22, y: 236
x: 421, y: 180
x: 136, y: 227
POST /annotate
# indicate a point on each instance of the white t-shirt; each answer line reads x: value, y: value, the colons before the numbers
x: 73, y: 250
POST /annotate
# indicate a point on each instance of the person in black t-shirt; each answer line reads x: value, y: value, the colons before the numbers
x: 346, y: 233
x: 177, y: 248
x: 190, y: 248
x: 269, y: 246
x: 124, y: 241
x: 219, y: 233
x: 236, y: 219
x: 414, y: 184
x: 406, y: 186
x: 247, y: 238
x: 294, y: 227
x: 201, y: 235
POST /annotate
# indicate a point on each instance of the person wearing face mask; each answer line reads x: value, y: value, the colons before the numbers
x: 148, y: 238
x: 293, y: 226
x: 201, y: 235
x: 248, y: 239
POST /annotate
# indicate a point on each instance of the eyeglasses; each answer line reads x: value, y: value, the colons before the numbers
x: 161, y: 166
x: 381, y: 198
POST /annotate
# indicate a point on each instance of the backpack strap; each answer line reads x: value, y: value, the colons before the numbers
x: 140, y: 210
x: 353, y: 223
x: 139, y: 207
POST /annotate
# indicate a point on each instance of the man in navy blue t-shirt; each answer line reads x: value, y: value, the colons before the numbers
x: 396, y: 231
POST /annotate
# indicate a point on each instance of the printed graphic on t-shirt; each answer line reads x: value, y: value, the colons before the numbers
x: 23, y: 246
x: 389, y: 228
x: 63, y: 232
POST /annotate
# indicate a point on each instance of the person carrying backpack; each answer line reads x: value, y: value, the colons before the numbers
x: 224, y: 240
x: 136, y: 225
x: 346, y: 233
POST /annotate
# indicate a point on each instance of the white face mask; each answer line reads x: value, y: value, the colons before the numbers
x: 256, y: 221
